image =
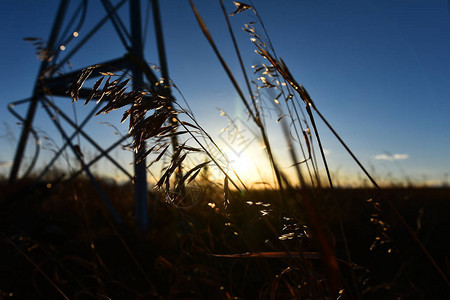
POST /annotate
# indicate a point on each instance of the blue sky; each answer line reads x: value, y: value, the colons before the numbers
x: 378, y: 70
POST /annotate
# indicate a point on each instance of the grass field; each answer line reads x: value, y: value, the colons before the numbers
x: 64, y: 238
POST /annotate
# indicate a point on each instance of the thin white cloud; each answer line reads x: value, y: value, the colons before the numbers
x: 401, y: 156
x: 391, y: 157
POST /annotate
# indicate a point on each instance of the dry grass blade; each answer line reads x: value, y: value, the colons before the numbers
x: 240, y: 7
x: 161, y: 154
x: 103, y: 93
x: 257, y: 69
x: 189, y: 124
x: 190, y: 148
x: 94, y: 89
x: 118, y: 88
x: 141, y: 156
x: 74, y: 89
x: 173, y: 133
x: 164, y: 130
x: 193, y: 176
x: 177, y: 160
x: 222, y: 61
x: 226, y: 192
x: 32, y: 39
x: 299, y: 163
x: 196, y: 170
x: 308, y: 145
x: 147, y: 128
x: 283, y: 254
x: 277, y: 97
x: 280, y: 118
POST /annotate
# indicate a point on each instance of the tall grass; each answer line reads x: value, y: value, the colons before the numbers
x: 165, y: 122
x: 220, y: 239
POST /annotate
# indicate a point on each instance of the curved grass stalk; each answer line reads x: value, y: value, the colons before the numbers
x: 252, y: 113
x: 284, y: 71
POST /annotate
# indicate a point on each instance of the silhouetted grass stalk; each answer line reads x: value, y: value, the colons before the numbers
x: 283, y: 70
x: 252, y: 113
x: 327, y: 254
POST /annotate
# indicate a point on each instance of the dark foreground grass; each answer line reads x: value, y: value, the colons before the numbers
x: 61, y: 242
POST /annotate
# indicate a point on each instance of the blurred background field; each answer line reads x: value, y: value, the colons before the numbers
x: 65, y: 232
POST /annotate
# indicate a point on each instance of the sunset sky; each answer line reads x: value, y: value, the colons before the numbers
x: 378, y: 70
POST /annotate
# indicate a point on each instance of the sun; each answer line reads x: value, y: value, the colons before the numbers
x: 243, y: 164
x: 250, y: 165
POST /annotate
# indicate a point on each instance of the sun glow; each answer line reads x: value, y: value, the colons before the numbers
x: 243, y: 164
x: 251, y: 165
